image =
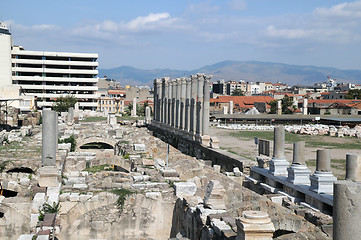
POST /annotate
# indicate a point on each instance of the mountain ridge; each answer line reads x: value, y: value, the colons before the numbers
x: 252, y: 71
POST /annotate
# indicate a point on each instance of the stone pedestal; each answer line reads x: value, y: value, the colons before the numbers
x: 322, y: 182
x: 299, y: 174
x: 48, y: 176
x: 214, y: 195
x: 254, y: 225
x: 206, y: 140
x: 278, y: 167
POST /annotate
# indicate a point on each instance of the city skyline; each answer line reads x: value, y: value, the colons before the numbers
x: 191, y: 34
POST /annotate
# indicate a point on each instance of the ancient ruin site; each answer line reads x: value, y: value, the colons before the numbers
x: 87, y: 175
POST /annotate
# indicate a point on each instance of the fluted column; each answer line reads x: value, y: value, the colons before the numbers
x: 159, y: 98
x: 174, y: 95
x: 165, y: 100
x: 177, y: 103
x: 206, y: 99
x: 193, y: 116
x: 187, y: 106
x: 200, y: 84
x: 182, y: 102
x: 155, y: 96
x: 169, y: 115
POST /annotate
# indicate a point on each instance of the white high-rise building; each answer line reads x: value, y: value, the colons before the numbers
x: 46, y: 76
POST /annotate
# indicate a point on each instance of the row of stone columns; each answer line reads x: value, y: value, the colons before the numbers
x: 320, y: 182
x: 183, y: 104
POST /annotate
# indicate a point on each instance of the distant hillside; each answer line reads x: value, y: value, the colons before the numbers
x: 238, y: 70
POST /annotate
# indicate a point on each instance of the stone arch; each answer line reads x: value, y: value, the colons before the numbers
x: 106, y: 140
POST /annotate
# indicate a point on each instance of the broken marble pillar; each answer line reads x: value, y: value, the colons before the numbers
x: 225, y: 110
x: 298, y: 173
x: 305, y: 106
x: 322, y: 180
x: 254, y: 225
x: 112, y: 119
x: 231, y: 107
x: 185, y: 189
x: 347, y: 201
x: 134, y: 110
x: 76, y: 112
x: 49, y: 137
x: 148, y: 117
x: 353, y: 167
x: 279, y: 107
x: 70, y: 115
x: 278, y: 164
x: 214, y: 195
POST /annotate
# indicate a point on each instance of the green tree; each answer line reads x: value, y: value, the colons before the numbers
x: 63, y: 103
x: 286, y: 103
x: 237, y: 92
x: 353, y: 94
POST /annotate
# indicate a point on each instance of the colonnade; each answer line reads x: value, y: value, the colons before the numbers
x: 182, y: 105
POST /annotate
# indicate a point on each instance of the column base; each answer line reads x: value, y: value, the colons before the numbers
x: 299, y: 174
x: 198, y: 138
x: 48, y: 176
x: 206, y: 140
x: 322, y: 182
x: 278, y: 167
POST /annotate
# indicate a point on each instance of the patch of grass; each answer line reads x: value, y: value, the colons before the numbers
x: 122, y: 195
x: 4, y: 164
x: 99, y: 168
x: 70, y: 140
x: 122, y: 118
x: 94, y: 119
x: 47, y: 208
x: 311, y: 163
x: 311, y: 141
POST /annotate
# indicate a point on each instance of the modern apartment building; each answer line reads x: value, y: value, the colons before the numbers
x: 46, y: 76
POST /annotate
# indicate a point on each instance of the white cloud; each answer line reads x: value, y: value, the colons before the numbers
x: 347, y: 9
x: 272, y: 31
x: 239, y: 5
x: 150, y: 21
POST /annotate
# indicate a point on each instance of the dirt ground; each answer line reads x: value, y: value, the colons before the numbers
x: 247, y: 149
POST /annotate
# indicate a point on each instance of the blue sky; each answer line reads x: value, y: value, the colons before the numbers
x: 184, y: 34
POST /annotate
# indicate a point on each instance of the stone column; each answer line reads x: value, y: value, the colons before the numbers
x: 165, y: 99
x: 159, y: 100
x: 206, y: 92
x: 182, y: 103
x: 199, y: 119
x: 231, y: 107
x: 155, y: 96
x: 298, y: 173
x: 322, y: 180
x: 177, y: 103
x: 187, y: 105
x: 70, y: 115
x: 134, y: 111
x: 304, y: 108
x: 279, y: 107
x: 76, y: 112
x: 254, y: 225
x: 347, y: 201
x: 225, y: 110
x: 174, y: 95
x: 48, y: 173
x: 147, y: 115
x: 353, y: 167
x: 278, y: 164
x: 193, y: 116
x: 49, y: 137
x: 169, y: 121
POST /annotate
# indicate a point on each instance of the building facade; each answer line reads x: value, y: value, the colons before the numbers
x: 46, y: 76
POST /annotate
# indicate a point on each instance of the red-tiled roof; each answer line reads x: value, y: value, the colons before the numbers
x: 242, y: 101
